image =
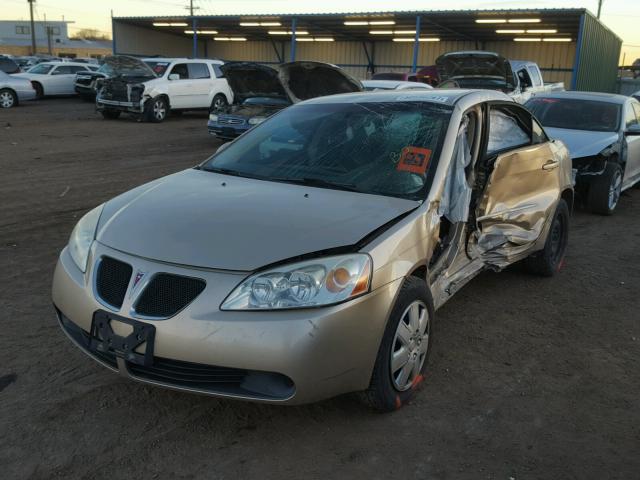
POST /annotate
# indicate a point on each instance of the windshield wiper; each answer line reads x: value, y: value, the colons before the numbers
x: 319, y: 182
x: 228, y: 171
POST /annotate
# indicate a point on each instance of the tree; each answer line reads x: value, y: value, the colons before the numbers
x: 90, y: 34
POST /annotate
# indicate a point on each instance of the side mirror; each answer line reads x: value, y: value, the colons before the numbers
x: 174, y: 76
x: 633, y: 130
x: 222, y: 147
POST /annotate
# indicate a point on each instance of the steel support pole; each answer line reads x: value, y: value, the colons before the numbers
x: 416, y: 45
x: 293, y: 40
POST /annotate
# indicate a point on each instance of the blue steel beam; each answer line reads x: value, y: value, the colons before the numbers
x: 576, y: 61
x: 194, y: 26
x: 293, y: 39
x: 416, y: 45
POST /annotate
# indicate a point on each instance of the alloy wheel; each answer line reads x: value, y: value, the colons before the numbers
x: 219, y: 103
x: 159, y: 110
x: 615, y: 189
x: 410, y: 345
x: 6, y: 100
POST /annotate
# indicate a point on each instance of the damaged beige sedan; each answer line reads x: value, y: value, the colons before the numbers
x: 306, y: 259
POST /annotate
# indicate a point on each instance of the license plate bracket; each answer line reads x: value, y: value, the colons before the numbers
x: 104, y: 339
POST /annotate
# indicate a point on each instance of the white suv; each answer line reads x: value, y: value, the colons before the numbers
x: 152, y: 87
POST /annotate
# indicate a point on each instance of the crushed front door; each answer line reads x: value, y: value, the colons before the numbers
x: 519, y: 198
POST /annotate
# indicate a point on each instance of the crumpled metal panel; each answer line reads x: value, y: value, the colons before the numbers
x: 519, y: 199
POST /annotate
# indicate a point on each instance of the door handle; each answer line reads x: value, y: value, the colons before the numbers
x: 551, y: 164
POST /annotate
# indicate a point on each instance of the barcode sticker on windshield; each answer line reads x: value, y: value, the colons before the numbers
x: 414, y: 159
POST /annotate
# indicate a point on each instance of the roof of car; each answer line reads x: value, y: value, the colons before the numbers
x: 75, y: 64
x: 441, y: 96
x: 181, y: 59
x: 599, y: 96
x: 393, y: 84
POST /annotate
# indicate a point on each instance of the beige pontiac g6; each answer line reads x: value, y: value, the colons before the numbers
x: 306, y: 259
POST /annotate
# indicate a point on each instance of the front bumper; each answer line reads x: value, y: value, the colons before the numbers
x: 131, y: 107
x: 313, y: 353
x: 227, y: 131
x: 25, y: 95
x: 84, y: 89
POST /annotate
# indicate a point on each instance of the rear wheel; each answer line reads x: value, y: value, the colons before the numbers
x: 548, y: 261
x: 110, y: 114
x: 156, y: 110
x: 8, y: 98
x: 404, y: 351
x: 219, y: 103
x: 605, y: 190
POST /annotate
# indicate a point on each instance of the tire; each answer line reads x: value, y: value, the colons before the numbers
x: 110, y: 114
x: 156, y: 110
x: 8, y: 98
x: 39, y: 90
x: 87, y: 98
x: 605, y: 189
x: 388, y: 389
x: 549, y: 260
x: 219, y: 103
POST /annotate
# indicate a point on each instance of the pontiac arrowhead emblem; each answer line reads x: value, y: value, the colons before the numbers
x: 137, y: 278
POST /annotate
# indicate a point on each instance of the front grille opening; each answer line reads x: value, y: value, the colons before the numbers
x: 112, y: 280
x: 167, y: 294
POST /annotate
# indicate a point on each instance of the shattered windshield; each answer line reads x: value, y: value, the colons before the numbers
x: 123, y: 66
x: 576, y: 114
x: 378, y: 148
x: 158, y: 66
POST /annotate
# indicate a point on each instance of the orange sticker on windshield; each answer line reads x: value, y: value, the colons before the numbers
x: 414, y: 159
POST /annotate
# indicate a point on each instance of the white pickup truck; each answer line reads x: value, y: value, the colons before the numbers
x: 489, y: 70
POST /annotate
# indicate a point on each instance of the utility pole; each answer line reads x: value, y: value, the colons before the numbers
x: 33, y: 28
x: 599, y: 8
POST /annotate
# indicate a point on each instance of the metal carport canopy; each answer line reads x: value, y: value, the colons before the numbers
x: 479, y: 26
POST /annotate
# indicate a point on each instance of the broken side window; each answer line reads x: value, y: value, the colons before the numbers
x: 505, y: 132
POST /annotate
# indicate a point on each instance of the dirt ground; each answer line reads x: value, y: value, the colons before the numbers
x: 529, y: 378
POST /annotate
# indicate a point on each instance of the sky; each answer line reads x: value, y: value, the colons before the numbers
x: 621, y: 16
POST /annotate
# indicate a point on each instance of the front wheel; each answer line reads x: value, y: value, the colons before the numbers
x: 548, y: 261
x: 605, y: 190
x: 404, y: 351
x: 156, y: 110
x: 8, y: 98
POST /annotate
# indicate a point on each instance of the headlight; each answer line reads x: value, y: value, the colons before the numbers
x: 213, y: 117
x: 322, y: 281
x: 82, y: 237
x: 256, y: 120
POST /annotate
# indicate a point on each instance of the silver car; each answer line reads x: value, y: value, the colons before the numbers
x: 14, y: 90
x: 602, y: 132
x: 306, y: 258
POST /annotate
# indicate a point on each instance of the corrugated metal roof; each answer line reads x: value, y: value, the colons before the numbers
x: 448, y: 25
x: 364, y: 14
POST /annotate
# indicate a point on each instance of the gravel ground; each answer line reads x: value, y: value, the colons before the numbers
x: 529, y: 377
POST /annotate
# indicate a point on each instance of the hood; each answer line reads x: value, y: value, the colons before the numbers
x: 295, y: 81
x: 583, y: 143
x: 250, y: 111
x: 208, y: 220
x: 305, y: 80
x: 475, y: 64
x: 249, y: 79
x: 130, y: 66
